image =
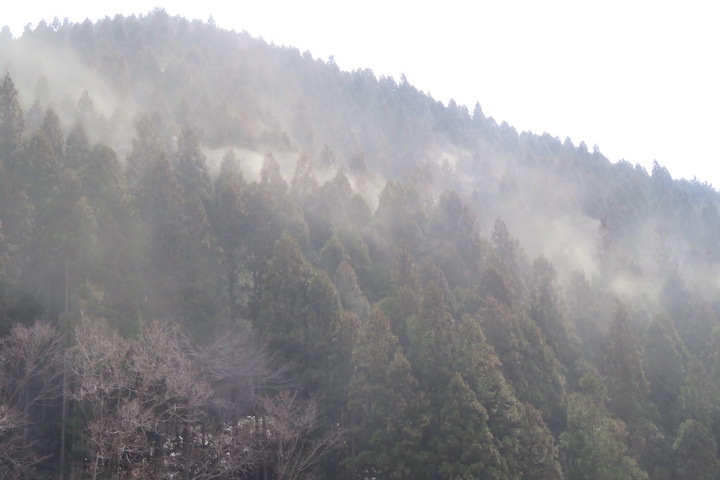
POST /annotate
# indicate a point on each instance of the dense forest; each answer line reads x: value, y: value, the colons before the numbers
x: 225, y: 259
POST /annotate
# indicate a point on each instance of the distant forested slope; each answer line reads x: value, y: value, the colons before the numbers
x: 221, y: 258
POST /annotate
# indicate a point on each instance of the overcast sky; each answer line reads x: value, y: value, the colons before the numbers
x: 640, y: 79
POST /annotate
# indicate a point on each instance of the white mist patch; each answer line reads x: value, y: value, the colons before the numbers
x: 66, y: 74
x: 575, y: 243
x: 54, y: 75
x: 447, y: 161
x: 635, y: 288
x: 569, y: 241
x: 214, y: 158
x: 251, y: 161
x: 287, y: 161
x: 369, y: 189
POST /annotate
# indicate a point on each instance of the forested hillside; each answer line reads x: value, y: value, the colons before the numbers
x: 225, y: 259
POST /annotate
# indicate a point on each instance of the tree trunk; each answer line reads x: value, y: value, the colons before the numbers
x: 264, y: 462
x: 232, y: 285
x: 63, y: 420
x: 67, y: 282
x: 187, y: 452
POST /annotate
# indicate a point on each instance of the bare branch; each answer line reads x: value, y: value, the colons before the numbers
x: 16, y: 454
x: 31, y: 365
x: 296, y: 434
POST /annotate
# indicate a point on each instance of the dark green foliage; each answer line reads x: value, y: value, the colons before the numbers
x: 351, y: 296
x: 453, y: 240
x: 527, y: 361
x: 301, y: 319
x: 228, y: 218
x: 386, y: 407
x: 663, y: 363
x: 547, y: 311
x: 699, y: 395
x: 627, y: 386
x: 401, y: 215
x: 695, y: 452
x: 284, y: 298
x: 332, y: 255
x: 463, y: 443
x: 595, y: 444
x: 11, y: 121
x: 373, y: 301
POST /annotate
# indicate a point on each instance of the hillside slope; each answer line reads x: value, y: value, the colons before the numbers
x: 253, y: 236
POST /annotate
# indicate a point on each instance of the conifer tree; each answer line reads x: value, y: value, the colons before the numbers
x: 595, y: 445
x: 695, y: 452
x: 463, y: 443
x: 229, y: 219
x: 548, y: 312
x: 301, y: 319
x: 12, y: 123
x: 663, y: 364
x: 520, y: 434
x: 699, y: 395
x: 77, y: 148
x: 351, y: 296
x: 627, y: 385
x: 385, y: 406
x: 526, y: 360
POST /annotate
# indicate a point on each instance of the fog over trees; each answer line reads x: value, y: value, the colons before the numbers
x: 225, y: 259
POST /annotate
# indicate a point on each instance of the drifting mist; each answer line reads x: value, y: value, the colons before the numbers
x: 433, y: 294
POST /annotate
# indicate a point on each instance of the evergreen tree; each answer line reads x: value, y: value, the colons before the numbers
x: 401, y: 307
x: 453, y: 239
x: 385, y: 406
x: 229, y: 222
x: 77, y: 148
x: 12, y: 123
x: 595, y: 445
x: 303, y: 183
x: 547, y: 311
x: 663, y: 362
x: 147, y: 149
x: 695, y: 453
x: 463, y: 443
x: 284, y: 299
x: 441, y: 352
x: 192, y: 170
x: 16, y: 210
x: 332, y: 254
x: 432, y: 347
x: 627, y: 385
x: 197, y: 267
x: 505, y: 256
x: 351, y: 296
x: 301, y: 318
x: 520, y: 434
x: 527, y: 361
x: 401, y: 215
x: 699, y: 395
x: 159, y: 204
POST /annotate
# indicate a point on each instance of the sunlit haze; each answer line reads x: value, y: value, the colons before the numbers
x: 639, y: 79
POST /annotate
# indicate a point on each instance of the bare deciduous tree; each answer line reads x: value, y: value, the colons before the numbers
x: 31, y: 365
x: 142, y: 394
x: 98, y: 360
x: 236, y: 366
x: 16, y: 455
x: 297, y: 437
x: 219, y: 451
x: 150, y: 399
x: 30, y: 378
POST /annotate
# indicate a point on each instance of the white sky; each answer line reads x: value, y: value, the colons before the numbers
x: 639, y: 78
